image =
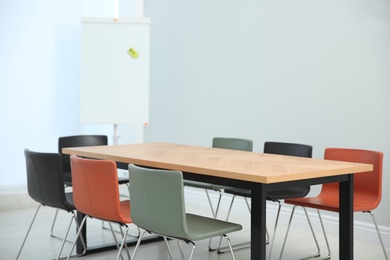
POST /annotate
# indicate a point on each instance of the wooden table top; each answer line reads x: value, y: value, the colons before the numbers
x: 241, y: 165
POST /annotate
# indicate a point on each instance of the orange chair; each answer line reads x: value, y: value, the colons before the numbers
x: 367, y: 189
x: 96, y: 194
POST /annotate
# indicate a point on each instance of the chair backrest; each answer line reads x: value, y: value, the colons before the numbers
x: 300, y: 150
x: 77, y: 141
x: 44, y: 179
x: 367, y: 183
x: 95, y: 188
x: 157, y: 201
x: 289, y: 149
x: 233, y: 143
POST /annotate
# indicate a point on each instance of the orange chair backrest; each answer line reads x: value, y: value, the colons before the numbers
x: 367, y: 183
x: 95, y: 188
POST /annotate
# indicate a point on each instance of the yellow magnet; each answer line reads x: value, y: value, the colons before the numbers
x: 133, y: 53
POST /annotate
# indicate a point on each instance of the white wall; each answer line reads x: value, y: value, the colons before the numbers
x: 315, y: 72
x: 40, y: 78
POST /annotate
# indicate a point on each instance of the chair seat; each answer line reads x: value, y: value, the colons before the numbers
x: 69, y: 199
x: 124, y: 216
x: 203, y: 185
x: 200, y: 227
x: 67, y: 176
x: 295, y: 192
x: 330, y: 202
x: 271, y: 195
x: 123, y: 180
x: 125, y: 209
x: 239, y: 192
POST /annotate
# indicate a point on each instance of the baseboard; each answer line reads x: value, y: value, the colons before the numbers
x: 364, y: 231
x: 15, y: 197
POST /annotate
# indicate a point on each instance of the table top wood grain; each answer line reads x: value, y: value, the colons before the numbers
x: 240, y: 165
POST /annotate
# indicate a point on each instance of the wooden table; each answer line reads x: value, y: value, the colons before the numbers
x: 249, y: 170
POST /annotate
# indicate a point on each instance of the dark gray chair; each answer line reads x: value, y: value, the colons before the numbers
x: 45, y: 185
x: 290, y: 149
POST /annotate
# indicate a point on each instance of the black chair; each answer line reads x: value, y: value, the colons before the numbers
x: 290, y: 149
x: 45, y: 185
x: 80, y: 141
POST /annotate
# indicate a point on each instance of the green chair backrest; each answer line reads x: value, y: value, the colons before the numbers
x: 157, y: 201
x: 233, y: 143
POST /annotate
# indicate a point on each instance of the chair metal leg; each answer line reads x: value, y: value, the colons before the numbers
x: 379, y: 233
x: 52, y: 228
x: 326, y: 238
x: 78, y: 235
x: 63, y: 240
x: 81, y: 237
x: 66, y: 235
x: 276, y: 224
x: 181, y: 250
x: 193, y: 249
x: 113, y: 235
x: 28, y: 231
x: 132, y: 235
x: 220, y: 250
x: 124, y: 235
x: 52, y: 225
x: 237, y: 246
x: 169, y: 248
x: 120, y: 246
x: 215, y: 214
x: 137, y: 245
x: 230, y: 246
x: 242, y: 245
x: 287, y: 232
x: 123, y: 242
x: 312, y: 231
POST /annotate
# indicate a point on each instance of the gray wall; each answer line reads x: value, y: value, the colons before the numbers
x: 314, y: 72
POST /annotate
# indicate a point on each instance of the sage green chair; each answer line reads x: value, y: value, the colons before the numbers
x: 225, y: 143
x: 157, y: 206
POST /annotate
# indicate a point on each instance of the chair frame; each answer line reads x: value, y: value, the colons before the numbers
x: 107, y: 170
x: 82, y: 140
x: 357, y: 154
x: 178, y: 226
x: 34, y: 171
x: 279, y: 148
x: 224, y: 143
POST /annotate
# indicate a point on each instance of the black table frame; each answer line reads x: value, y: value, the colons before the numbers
x: 259, y: 202
x: 258, y: 212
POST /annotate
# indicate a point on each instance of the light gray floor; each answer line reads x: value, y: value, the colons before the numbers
x: 14, y: 224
